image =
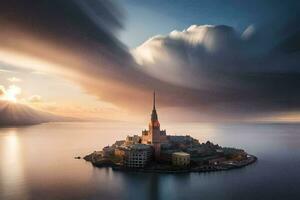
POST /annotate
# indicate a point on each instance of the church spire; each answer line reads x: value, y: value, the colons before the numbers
x: 154, y: 114
x: 154, y: 100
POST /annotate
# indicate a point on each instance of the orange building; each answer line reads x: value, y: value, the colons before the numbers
x: 154, y: 135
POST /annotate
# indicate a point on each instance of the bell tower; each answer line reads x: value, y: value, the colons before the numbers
x: 154, y: 130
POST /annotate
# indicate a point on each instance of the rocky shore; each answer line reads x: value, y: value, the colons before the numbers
x: 206, y: 168
x: 155, y: 167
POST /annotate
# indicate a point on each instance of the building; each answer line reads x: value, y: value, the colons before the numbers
x: 130, y: 140
x: 108, y: 151
x: 216, y: 161
x: 120, y: 152
x: 137, y: 155
x: 180, y: 159
x: 118, y: 143
x: 154, y: 135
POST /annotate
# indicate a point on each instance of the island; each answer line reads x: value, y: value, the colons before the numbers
x: 155, y: 151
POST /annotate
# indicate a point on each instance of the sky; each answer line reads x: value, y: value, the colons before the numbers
x: 179, y: 14
x: 207, y: 60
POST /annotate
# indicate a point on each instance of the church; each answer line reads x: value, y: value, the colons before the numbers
x: 154, y: 136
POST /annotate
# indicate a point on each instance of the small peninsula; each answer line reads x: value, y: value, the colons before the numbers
x: 155, y: 151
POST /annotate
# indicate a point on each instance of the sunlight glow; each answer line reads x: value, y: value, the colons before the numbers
x: 12, y: 170
x: 11, y: 93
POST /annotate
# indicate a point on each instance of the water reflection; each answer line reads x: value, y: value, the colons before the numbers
x: 36, y: 163
x: 12, y: 171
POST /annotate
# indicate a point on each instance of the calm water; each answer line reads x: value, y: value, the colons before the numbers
x: 37, y: 163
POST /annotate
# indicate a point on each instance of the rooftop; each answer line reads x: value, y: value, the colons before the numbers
x: 140, y: 146
x: 181, y: 154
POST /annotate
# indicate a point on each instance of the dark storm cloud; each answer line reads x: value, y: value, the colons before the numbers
x: 227, y: 71
x: 77, y: 34
x: 79, y: 38
x: 210, y: 69
x: 63, y: 20
x: 73, y: 23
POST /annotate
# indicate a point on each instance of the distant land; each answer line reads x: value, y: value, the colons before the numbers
x: 15, y: 114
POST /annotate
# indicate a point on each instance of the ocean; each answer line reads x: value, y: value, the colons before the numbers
x: 37, y: 163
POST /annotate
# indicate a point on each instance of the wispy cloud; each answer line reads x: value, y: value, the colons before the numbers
x: 35, y: 99
x: 14, y: 79
x: 5, y: 71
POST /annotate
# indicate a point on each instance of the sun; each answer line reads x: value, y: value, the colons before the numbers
x: 11, y: 93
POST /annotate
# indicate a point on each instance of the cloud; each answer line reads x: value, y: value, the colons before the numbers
x: 74, y: 39
x: 249, y: 32
x: 10, y: 93
x: 223, y: 70
x: 14, y: 79
x: 2, y: 91
x: 206, y: 69
x: 5, y: 71
x: 209, y: 56
x: 35, y: 99
x: 183, y: 56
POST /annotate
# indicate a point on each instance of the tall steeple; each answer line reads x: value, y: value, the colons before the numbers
x: 154, y: 100
x: 154, y: 113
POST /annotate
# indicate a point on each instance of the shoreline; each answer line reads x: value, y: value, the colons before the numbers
x: 200, y: 169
